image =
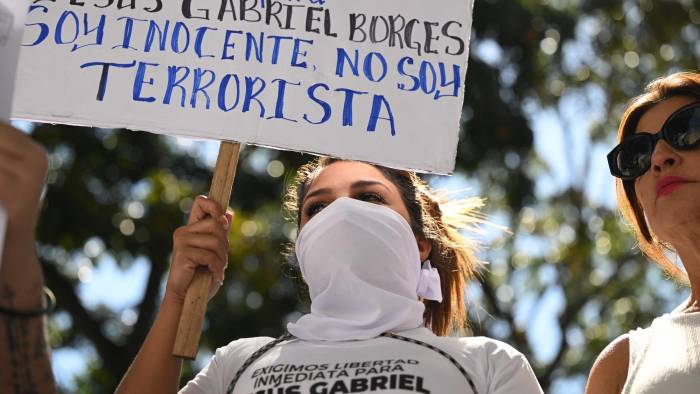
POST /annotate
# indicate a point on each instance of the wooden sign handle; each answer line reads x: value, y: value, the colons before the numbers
x: 192, y: 318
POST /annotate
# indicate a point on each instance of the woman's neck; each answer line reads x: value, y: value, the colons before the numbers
x: 687, y: 245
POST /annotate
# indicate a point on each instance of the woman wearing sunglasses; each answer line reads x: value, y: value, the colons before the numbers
x: 657, y: 163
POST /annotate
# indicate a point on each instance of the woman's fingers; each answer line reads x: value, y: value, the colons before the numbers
x: 212, y: 243
x: 14, y: 141
x: 209, y: 234
x: 218, y: 226
x: 195, y: 257
x: 202, y: 242
x: 204, y: 207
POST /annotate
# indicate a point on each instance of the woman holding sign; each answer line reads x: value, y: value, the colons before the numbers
x: 386, y: 268
x: 658, y: 165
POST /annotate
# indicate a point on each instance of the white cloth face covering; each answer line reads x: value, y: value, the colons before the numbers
x: 362, y: 265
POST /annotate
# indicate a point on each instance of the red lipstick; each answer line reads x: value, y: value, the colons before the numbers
x: 668, y: 184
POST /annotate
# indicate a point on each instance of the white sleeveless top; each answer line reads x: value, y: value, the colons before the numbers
x: 665, y: 358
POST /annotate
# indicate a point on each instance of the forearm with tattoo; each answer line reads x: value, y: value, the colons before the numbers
x: 24, y: 354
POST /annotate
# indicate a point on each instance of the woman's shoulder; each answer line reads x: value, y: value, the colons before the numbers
x: 473, y: 347
x: 506, y: 369
x: 609, y: 372
x: 497, y: 365
x: 484, y: 346
x: 491, y: 346
x: 243, y: 346
x: 216, y: 376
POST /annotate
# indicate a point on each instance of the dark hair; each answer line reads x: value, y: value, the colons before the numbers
x: 432, y: 217
x: 678, y: 84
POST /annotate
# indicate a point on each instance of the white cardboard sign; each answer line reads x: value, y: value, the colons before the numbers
x: 12, y: 13
x: 378, y: 81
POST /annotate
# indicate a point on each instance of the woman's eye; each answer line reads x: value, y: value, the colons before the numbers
x: 313, y: 209
x: 371, y: 197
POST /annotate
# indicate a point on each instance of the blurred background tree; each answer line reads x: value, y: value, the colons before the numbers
x: 546, y: 86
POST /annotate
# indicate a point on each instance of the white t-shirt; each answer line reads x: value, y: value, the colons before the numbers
x: 379, y: 365
x: 665, y: 358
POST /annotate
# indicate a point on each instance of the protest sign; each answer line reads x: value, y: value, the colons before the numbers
x: 379, y: 81
x: 12, y: 13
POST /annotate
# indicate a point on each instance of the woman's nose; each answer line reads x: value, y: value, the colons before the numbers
x: 664, y: 156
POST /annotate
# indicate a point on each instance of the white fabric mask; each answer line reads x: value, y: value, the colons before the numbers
x: 362, y: 265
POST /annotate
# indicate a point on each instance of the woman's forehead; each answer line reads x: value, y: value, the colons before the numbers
x: 655, y: 117
x: 342, y: 174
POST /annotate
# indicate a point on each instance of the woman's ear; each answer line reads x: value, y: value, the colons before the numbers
x: 424, y: 248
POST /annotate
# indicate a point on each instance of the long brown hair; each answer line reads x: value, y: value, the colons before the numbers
x: 678, y: 84
x: 432, y: 216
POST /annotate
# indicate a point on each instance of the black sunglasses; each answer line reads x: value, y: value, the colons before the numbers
x: 632, y: 157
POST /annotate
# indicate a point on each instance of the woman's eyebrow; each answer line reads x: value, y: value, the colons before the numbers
x: 365, y: 183
x: 318, y: 192
x: 356, y: 185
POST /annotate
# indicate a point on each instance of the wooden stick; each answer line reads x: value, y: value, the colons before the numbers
x: 192, y: 318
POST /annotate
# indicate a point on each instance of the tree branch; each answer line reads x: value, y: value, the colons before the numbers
x: 518, y: 336
x: 82, y: 318
x: 147, y: 307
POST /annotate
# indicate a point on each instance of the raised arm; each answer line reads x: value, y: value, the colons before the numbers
x: 24, y: 354
x: 203, y: 241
